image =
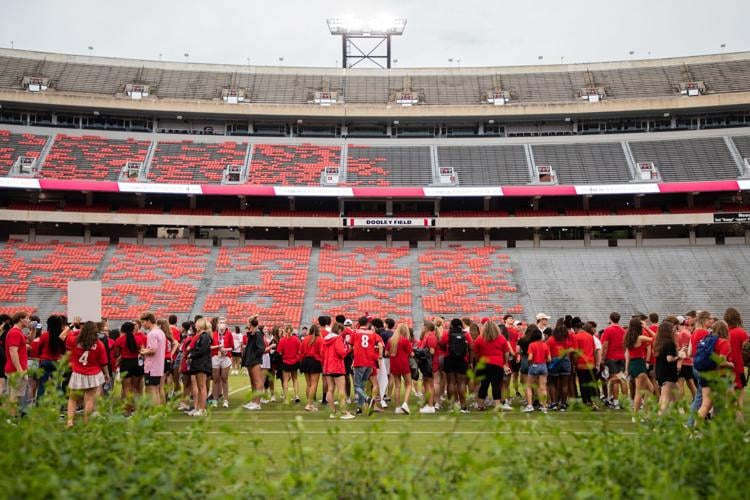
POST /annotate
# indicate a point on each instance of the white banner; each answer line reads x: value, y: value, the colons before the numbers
x: 17, y: 182
x: 637, y: 188
x: 744, y: 184
x: 149, y: 187
x: 463, y: 191
x: 387, y: 222
x: 313, y: 191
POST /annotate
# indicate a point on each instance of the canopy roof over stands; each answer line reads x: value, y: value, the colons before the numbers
x: 529, y: 85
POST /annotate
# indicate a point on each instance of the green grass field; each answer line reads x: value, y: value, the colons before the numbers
x: 275, y: 421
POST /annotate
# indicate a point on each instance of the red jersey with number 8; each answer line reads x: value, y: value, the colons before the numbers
x: 364, y: 343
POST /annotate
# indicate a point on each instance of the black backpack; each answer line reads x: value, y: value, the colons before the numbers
x: 457, y: 345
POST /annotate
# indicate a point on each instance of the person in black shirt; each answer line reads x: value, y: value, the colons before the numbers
x: 665, y: 349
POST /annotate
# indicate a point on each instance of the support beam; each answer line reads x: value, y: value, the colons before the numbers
x: 141, y: 234
x: 389, y: 208
x: 340, y: 238
x: 586, y: 202
x: 438, y: 238
x: 537, y: 238
x: 389, y: 237
x: 747, y: 236
x: 32, y: 232
x: 639, y: 236
x: 243, y: 236
x: 587, y: 237
x: 291, y: 237
x: 193, y: 201
x: 693, y: 237
x: 487, y: 238
x: 89, y: 198
x: 87, y: 233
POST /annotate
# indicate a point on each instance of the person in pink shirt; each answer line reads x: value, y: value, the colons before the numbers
x: 153, y: 353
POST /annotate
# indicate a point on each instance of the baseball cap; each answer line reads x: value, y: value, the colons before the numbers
x: 681, y: 319
x: 485, y: 320
x: 518, y: 322
x: 541, y: 316
x: 348, y: 322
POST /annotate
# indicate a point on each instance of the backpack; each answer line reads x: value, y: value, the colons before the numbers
x: 457, y: 345
x: 746, y: 353
x: 703, y: 360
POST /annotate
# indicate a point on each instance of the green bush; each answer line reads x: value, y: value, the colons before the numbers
x: 145, y: 457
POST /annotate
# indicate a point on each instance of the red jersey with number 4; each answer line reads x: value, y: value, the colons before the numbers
x: 86, y: 362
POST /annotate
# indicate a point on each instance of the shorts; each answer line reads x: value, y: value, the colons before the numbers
x: 425, y: 369
x: 79, y: 381
x: 524, y: 365
x: 615, y: 366
x: 152, y: 381
x: 311, y: 365
x: 18, y: 386
x: 740, y: 381
x: 290, y: 368
x: 515, y: 366
x: 560, y: 366
x: 129, y: 367
x: 236, y: 354
x: 636, y: 367
x: 334, y: 375
x: 537, y: 369
x: 221, y: 362
x: 662, y: 381
x: 455, y: 365
x: 686, y: 372
x: 167, y: 365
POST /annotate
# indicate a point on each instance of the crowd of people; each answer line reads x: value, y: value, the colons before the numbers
x: 455, y: 365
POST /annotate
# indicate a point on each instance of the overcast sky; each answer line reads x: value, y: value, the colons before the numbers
x: 479, y: 33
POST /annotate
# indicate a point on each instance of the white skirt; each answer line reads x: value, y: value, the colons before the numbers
x: 79, y: 381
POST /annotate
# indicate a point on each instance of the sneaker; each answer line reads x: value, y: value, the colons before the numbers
x: 427, y: 409
x: 332, y: 416
x: 518, y: 396
x: 527, y: 409
x: 225, y: 404
x: 398, y: 411
x: 437, y: 406
x: 383, y: 403
x: 213, y: 403
x: 199, y: 413
x: 544, y: 410
x: 464, y: 410
x: 405, y: 408
x: 273, y: 399
x: 182, y: 407
x: 347, y: 416
x: 359, y: 411
x: 296, y: 399
x: 252, y: 406
x: 309, y: 408
x: 265, y: 401
x: 377, y: 409
x: 506, y: 407
x: 616, y: 405
x: 417, y: 394
x: 563, y: 408
x: 348, y: 401
x: 193, y: 413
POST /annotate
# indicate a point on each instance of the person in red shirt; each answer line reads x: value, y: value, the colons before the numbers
x: 613, y: 354
x: 188, y: 342
x: 585, y: 352
x: 737, y: 337
x: 440, y: 378
x: 560, y: 347
x: 652, y: 327
x: 428, y: 342
x: 367, y: 347
x: 492, y: 353
x: 685, y: 374
x: 334, y: 352
x: 51, y: 349
x: 222, y: 345
x: 16, y: 359
x: 539, y: 356
x: 515, y: 361
x: 638, y: 345
x: 722, y: 348
x: 127, y: 352
x: 311, y: 353
x: 289, y: 349
x: 457, y: 344
x: 400, y: 349
x: 88, y: 362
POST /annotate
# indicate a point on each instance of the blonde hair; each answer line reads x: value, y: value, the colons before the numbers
x: 702, y: 318
x: 203, y: 325
x: 721, y: 329
x: 438, y: 322
x: 164, y: 326
x: 490, y: 331
x: 402, y: 331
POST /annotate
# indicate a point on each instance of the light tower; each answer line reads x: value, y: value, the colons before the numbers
x: 376, y: 34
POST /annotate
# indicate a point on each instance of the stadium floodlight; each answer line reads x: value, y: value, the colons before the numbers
x: 377, y: 32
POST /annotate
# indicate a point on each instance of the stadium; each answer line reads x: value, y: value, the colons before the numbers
x: 295, y: 193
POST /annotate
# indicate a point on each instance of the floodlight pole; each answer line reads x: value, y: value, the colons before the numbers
x: 377, y: 35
